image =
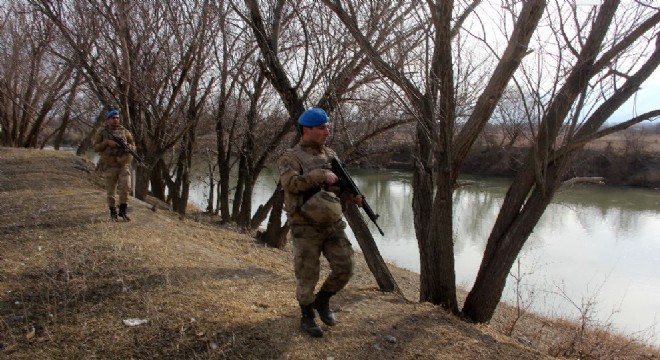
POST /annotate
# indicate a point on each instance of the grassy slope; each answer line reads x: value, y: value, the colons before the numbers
x: 69, y: 277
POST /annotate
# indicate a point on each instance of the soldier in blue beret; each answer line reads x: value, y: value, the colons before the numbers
x: 115, y: 162
x: 314, y: 204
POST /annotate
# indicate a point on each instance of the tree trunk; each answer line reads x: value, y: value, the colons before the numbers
x: 86, y: 143
x: 276, y: 234
x: 223, y: 193
x: 157, y: 180
x: 59, y: 133
x: 240, y: 185
x: 243, y: 219
x: 487, y: 291
x: 441, y: 275
x: 263, y: 210
x: 210, y: 208
x: 433, y: 216
x: 371, y: 253
x: 61, y: 130
x: 142, y: 182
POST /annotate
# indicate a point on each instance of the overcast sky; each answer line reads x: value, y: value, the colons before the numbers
x: 645, y: 100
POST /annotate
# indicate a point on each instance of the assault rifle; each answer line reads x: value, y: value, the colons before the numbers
x: 348, y: 184
x: 124, y: 146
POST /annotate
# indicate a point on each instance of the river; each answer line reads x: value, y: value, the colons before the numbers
x: 596, y: 249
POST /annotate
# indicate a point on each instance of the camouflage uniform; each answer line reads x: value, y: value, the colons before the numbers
x: 115, y: 163
x: 302, y: 173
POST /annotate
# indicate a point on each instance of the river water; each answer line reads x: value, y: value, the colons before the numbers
x: 596, y: 248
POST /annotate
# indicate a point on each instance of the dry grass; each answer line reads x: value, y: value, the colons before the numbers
x: 620, y: 141
x: 69, y: 278
x: 649, y: 143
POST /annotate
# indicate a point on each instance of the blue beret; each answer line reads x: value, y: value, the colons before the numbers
x: 111, y: 113
x: 313, y: 117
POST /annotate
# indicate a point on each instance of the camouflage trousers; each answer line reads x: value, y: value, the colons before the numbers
x: 117, y: 182
x: 309, y: 242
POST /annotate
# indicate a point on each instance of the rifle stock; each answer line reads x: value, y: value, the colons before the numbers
x: 347, y: 182
x: 125, y: 147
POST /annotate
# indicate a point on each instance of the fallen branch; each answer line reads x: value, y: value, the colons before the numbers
x: 579, y: 180
x: 461, y: 183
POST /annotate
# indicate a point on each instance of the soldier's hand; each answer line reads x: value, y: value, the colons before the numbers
x: 322, y: 176
x: 358, y: 200
x: 330, y: 178
x: 112, y: 143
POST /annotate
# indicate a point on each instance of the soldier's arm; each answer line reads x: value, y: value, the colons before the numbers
x: 99, y: 143
x: 292, y: 178
x: 130, y: 141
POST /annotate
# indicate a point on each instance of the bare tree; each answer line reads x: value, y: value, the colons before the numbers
x: 232, y: 55
x: 241, y: 116
x: 34, y: 82
x: 68, y: 113
x: 194, y: 95
x: 431, y: 96
x: 588, y: 90
x: 304, y: 59
x: 442, y: 145
x: 148, y: 59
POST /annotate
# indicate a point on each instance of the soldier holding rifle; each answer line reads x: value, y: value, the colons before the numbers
x: 115, y: 145
x: 314, y: 203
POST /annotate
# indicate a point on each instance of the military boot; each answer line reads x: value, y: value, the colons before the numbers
x: 307, y: 322
x: 123, y: 212
x: 113, y: 213
x: 322, y: 305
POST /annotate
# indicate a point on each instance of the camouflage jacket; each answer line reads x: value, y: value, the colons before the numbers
x: 302, y: 173
x: 113, y: 157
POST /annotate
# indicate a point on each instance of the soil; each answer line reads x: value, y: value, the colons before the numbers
x: 74, y: 285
